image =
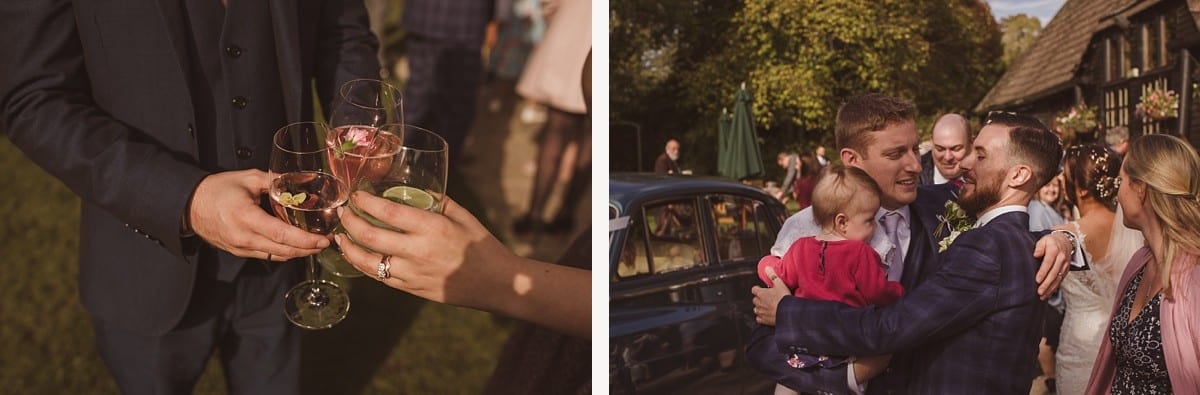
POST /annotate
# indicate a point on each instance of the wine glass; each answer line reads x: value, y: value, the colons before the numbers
x: 415, y: 176
x: 368, y: 103
x: 306, y: 193
x: 363, y: 105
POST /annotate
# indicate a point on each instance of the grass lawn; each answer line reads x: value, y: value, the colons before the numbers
x: 391, y: 343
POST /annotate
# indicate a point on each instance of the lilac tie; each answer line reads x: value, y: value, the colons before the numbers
x: 895, y: 257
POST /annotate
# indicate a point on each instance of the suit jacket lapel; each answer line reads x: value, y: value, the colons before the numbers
x: 284, y: 18
x: 173, y: 22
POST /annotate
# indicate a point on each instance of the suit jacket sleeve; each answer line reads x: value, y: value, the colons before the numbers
x: 765, y: 357
x: 346, y: 48
x: 959, y: 294
x: 48, y: 111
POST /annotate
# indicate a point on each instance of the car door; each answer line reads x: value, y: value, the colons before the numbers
x: 743, y: 229
x: 673, y: 324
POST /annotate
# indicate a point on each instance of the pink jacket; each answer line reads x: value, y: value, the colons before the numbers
x: 1180, y: 318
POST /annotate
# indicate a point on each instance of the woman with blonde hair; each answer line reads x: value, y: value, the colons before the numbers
x: 1153, y: 340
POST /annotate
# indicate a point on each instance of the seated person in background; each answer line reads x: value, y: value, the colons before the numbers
x: 838, y: 264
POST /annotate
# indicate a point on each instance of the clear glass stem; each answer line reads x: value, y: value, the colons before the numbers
x: 316, y: 296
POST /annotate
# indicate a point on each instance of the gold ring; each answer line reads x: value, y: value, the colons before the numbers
x: 381, y: 270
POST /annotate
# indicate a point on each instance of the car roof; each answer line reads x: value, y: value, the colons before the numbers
x: 627, y: 188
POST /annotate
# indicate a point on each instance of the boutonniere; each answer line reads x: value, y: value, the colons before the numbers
x: 951, y: 223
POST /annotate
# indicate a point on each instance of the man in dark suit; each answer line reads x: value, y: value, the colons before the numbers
x: 978, y: 299
x: 443, y: 44
x: 951, y: 143
x: 160, y: 115
x: 666, y: 163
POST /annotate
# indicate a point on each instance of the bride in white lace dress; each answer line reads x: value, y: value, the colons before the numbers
x: 1090, y: 172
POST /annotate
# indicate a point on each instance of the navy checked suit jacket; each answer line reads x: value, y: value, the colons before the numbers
x: 970, y: 327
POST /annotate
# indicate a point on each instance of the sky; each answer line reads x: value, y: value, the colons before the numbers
x: 1043, y: 9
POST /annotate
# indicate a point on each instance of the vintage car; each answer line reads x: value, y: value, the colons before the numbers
x: 683, y: 252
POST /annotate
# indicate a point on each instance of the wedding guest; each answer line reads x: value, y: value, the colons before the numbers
x: 838, y: 264
x: 551, y: 78
x: 1090, y: 173
x: 1042, y: 212
x: 667, y: 163
x: 158, y: 116
x: 809, y: 174
x: 1152, y: 343
x: 790, y: 163
x: 1117, y: 138
x: 951, y: 142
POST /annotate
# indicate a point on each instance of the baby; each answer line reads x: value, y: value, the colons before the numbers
x: 838, y: 264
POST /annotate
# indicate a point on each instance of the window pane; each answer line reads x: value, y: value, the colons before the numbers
x: 633, y: 259
x: 675, y: 242
x: 739, y: 227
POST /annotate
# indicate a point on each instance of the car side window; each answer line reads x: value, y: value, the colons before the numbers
x: 633, y: 261
x: 741, y: 227
x: 674, y: 236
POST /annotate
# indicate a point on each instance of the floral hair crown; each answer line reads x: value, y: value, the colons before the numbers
x: 1104, y: 184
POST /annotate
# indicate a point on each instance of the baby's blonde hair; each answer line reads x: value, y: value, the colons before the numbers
x: 838, y: 191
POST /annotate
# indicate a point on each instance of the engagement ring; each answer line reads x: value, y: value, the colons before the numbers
x: 381, y: 271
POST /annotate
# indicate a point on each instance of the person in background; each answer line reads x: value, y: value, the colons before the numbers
x: 951, y: 142
x: 444, y: 43
x: 1152, y: 343
x: 667, y: 163
x: 790, y: 162
x: 551, y: 77
x: 809, y: 174
x: 158, y: 115
x: 1090, y: 173
x: 1042, y: 216
x: 1042, y: 212
x: 1117, y: 139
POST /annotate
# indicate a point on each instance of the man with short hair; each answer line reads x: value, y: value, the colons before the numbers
x: 878, y: 134
x: 667, y: 162
x: 951, y: 142
x: 1117, y: 138
x: 788, y: 161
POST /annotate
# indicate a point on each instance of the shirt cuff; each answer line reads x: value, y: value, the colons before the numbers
x: 852, y: 382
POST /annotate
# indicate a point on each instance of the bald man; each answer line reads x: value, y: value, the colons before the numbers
x: 951, y: 143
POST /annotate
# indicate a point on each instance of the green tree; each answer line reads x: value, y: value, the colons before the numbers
x: 1020, y: 31
x: 675, y: 64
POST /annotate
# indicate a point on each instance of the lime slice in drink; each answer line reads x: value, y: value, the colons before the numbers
x: 410, y: 196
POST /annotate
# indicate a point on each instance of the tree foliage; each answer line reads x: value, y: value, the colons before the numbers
x: 1019, y: 31
x: 675, y: 64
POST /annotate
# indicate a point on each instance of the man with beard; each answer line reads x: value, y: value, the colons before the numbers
x: 971, y: 326
x: 950, y: 144
x: 666, y: 163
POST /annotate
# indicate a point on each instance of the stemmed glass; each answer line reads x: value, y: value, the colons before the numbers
x: 363, y: 106
x: 416, y: 175
x: 306, y: 193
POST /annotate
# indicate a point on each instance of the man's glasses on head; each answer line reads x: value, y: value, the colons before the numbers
x: 1013, y: 119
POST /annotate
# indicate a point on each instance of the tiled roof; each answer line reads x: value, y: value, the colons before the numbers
x: 1049, y: 64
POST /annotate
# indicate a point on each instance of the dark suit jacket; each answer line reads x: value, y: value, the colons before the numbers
x: 927, y: 168
x: 764, y: 354
x: 971, y: 327
x: 664, y: 165
x: 456, y: 21
x: 97, y: 94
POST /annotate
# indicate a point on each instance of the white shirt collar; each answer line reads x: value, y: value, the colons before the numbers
x: 938, y: 178
x: 998, y: 211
